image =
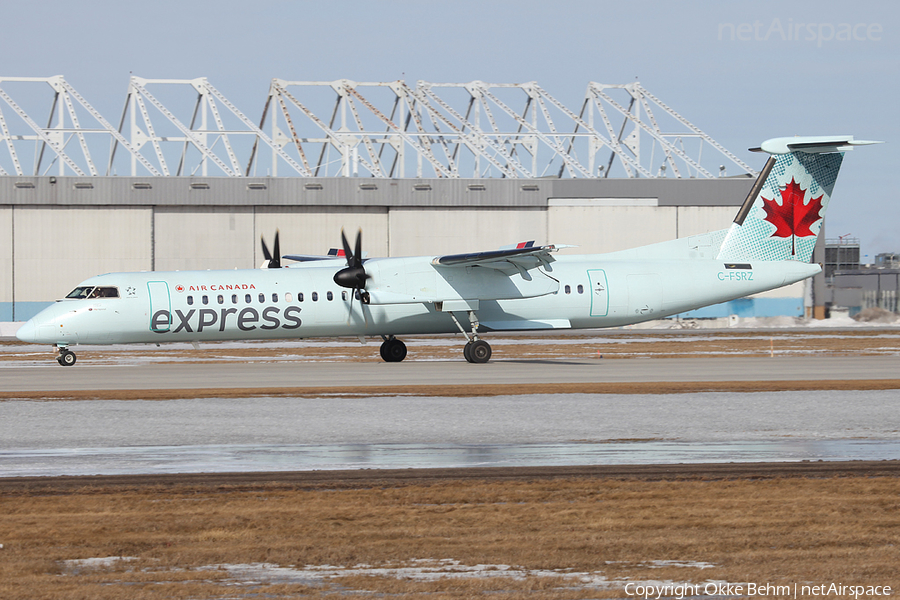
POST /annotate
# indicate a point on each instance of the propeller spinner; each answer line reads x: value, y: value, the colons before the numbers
x: 354, y: 275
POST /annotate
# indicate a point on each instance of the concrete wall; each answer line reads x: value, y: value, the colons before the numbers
x: 416, y: 232
x: 200, y: 237
x: 316, y: 229
x: 57, y: 247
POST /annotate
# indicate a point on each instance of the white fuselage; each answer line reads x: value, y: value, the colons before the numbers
x: 408, y: 296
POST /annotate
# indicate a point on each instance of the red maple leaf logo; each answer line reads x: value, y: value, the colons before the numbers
x: 792, y: 217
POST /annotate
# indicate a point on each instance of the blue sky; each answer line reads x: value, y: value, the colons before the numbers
x: 741, y: 87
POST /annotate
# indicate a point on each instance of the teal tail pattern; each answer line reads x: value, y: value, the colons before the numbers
x: 782, y: 217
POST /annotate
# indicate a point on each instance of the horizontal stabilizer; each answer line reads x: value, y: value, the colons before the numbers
x: 815, y: 144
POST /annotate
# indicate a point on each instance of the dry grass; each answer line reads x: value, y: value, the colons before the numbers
x: 781, y: 530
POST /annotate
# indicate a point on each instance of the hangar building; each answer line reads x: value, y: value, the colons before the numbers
x: 430, y: 169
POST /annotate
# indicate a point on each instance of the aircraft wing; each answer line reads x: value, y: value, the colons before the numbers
x: 333, y: 253
x: 307, y: 257
x: 525, y: 256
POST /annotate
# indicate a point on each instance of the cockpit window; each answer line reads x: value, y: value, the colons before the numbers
x: 91, y: 291
x: 81, y: 292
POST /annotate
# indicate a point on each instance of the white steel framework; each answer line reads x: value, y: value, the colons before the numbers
x: 365, y: 129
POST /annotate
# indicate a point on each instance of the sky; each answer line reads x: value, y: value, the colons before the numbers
x: 742, y: 72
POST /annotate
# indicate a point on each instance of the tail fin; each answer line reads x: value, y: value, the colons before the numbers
x: 782, y: 215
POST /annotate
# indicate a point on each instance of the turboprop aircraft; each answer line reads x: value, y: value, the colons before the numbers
x: 521, y: 288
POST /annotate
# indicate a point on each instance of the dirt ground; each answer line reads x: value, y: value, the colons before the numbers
x: 480, y: 533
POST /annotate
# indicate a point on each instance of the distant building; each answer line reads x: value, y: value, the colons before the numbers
x: 861, y: 288
x: 887, y: 260
x: 841, y: 254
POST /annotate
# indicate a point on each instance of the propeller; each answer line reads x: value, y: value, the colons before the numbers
x: 354, y: 275
x: 272, y: 262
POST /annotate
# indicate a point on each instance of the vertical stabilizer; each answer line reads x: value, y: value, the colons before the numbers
x: 782, y: 216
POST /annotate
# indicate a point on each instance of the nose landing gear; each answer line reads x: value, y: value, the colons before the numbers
x: 66, y: 357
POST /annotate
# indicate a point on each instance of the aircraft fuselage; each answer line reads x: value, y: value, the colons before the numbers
x: 408, y: 296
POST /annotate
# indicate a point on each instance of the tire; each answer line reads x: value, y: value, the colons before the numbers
x: 394, y: 350
x: 480, y: 352
x: 467, y: 351
x: 66, y: 359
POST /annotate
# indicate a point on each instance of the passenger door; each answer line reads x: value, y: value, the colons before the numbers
x: 159, y: 300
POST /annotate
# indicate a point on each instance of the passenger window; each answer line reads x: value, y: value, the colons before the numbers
x: 580, y: 289
x: 262, y: 298
x: 344, y: 296
x: 568, y: 289
x: 330, y: 296
x: 205, y: 299
x: 300, y: 297
x: 274, y: 297
x: 234, y: 298
x: 248, y: 299
x: 315, y: 296
x: 288, y: 297
x: 190, y: 300
x: 221, y: 299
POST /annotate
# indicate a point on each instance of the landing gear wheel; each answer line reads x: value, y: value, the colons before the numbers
x: 479, y: 352
x: 66, y: 358
x: 467, y: 351
x: 393, y: 350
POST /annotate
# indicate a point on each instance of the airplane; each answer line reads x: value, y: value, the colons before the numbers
x: 521, y: 288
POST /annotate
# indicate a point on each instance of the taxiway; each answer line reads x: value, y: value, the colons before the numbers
x: 50, y: 377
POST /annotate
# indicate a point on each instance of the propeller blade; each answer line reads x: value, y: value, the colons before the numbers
x: 272, y: 262
x: 357, y: 256
x: 347, y: 252
x: 277, y: 251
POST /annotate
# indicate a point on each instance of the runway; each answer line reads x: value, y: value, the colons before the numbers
x: 307, y: 406
x: 50, y: 377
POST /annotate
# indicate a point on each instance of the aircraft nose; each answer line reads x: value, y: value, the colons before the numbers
x: 27, y: 332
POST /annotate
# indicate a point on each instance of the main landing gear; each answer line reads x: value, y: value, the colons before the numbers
x: 476, y: 350
x: 66, y: 357
x: 392, y: 349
